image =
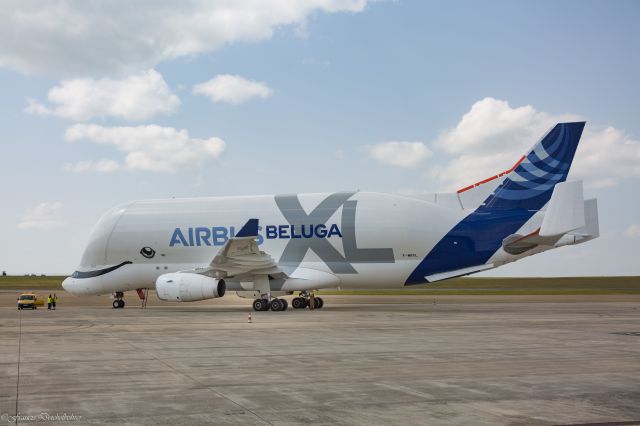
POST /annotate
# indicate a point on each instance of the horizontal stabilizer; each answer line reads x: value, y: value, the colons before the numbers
x: 518, y: 244
x: 457, y: 273
x: 565, y: 211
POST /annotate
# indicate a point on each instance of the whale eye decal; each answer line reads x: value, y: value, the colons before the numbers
x: 147, y: 252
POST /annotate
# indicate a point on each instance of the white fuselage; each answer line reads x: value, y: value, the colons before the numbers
x: 187, y: 233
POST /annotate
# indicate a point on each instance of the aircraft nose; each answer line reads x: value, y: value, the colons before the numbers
x: 69, y: 284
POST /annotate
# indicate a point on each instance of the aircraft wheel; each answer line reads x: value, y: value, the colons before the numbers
x: 299, y: 303
x: 260, y: 305
x: 285, y: 304
x: 121, y: 304
x: 116, y: 304
x: 320, y: 302
x: 277, y: 305
x: 257, y: 305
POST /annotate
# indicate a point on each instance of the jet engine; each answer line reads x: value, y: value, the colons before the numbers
x: 187, y: 287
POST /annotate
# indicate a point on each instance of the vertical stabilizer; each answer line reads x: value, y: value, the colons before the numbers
x: 530, y: 184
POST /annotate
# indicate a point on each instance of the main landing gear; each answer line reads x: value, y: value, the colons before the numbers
x: 118, y: 303
x: 305, y: 300
x: 274, y: 305
x: 308, y: 301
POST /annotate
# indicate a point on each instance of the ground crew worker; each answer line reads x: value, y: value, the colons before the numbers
x: 49, y: 301
x: 54, y: 300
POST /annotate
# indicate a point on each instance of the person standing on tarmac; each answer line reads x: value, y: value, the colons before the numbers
x: 54, y: 300
x: 49, y: 301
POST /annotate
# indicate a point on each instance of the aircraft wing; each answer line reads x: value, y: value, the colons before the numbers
x: 241, y: 256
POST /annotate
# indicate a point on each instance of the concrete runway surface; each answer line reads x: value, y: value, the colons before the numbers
x: 353, y: 362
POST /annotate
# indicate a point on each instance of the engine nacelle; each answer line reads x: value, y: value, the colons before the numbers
x: 187, y: 287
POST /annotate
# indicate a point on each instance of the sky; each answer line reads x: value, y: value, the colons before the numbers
x: 107, y: 102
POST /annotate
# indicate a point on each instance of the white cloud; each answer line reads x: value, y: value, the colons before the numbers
x: 137, y: 97
x: 606, y: 156
x: 151, y: 148
x: 44, y: 216
x: 489, y: 139
x: 492, y: 136
x: 100, y: 166
x: 399, y: 153
x: 80, y: 38
x: 493, y: 126
x: 232, y: 89
x: 633, y: 231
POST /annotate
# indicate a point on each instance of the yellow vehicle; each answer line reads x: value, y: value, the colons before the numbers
x: 29, y: 301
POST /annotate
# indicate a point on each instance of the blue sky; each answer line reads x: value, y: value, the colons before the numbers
x: 303, y: 97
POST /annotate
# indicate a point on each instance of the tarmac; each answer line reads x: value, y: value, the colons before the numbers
x: 405, y: 360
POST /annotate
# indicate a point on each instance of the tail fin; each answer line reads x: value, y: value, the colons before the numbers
x: 530, y: 183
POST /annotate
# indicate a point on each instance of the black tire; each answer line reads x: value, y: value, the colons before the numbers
x: 121, y: 304
x: 116, y: 304
x: 316, y: 302
x: 321, y: 302
x: 285, y: 304
x: 276, y: 305
x: 260, y: 304
x: 299, y: 303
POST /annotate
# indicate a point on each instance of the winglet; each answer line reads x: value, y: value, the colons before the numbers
x: 250, y: 229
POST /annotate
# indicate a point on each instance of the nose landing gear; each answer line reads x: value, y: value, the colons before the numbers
x: 118, y: 303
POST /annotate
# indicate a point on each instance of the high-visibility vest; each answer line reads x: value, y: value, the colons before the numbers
x: 48, y: 299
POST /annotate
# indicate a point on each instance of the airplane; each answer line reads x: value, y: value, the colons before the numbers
x: 267, y: 247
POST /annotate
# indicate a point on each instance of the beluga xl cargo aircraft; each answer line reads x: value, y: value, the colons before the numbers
x: 266, y: 247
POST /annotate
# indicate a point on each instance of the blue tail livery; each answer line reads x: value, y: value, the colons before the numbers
x: 527, y: 188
